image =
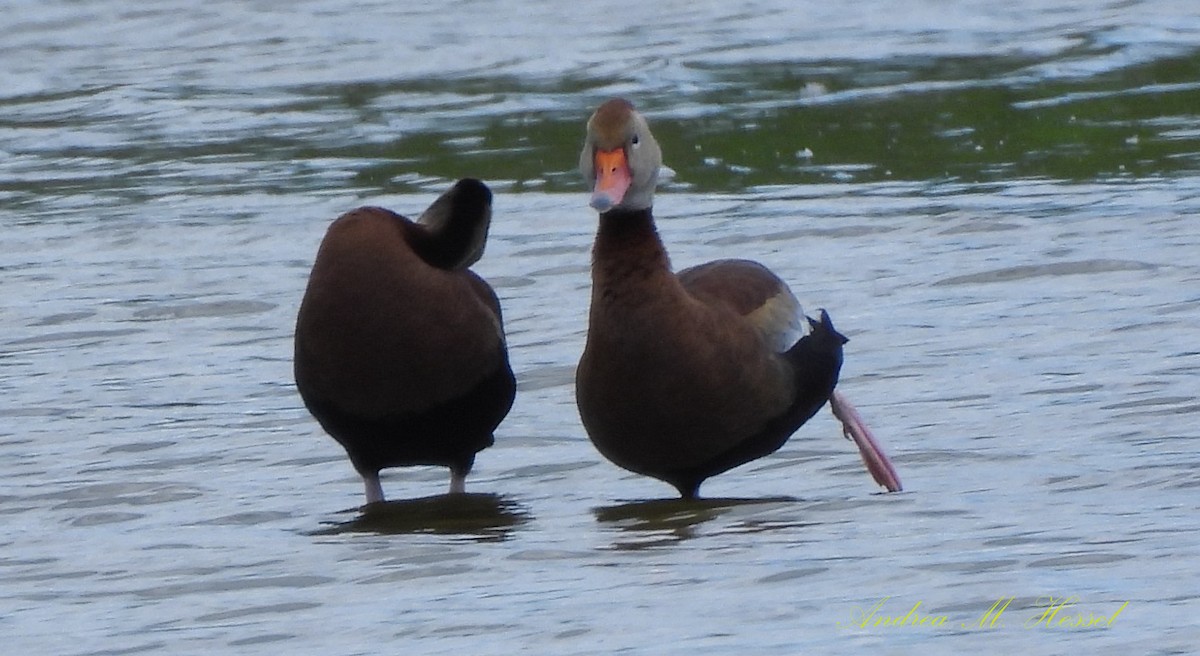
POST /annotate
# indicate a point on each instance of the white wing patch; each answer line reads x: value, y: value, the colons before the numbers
x: 781, y: 320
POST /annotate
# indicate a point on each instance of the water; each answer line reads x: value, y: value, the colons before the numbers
x: 996, y: 202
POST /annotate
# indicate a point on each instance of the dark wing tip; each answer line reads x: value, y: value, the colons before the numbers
x: 824, y: 327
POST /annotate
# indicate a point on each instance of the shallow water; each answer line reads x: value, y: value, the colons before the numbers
x: 995, y: 202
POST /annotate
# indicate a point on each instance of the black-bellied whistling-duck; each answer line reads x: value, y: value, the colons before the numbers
x: 400, y: 350
x: 687, y: 375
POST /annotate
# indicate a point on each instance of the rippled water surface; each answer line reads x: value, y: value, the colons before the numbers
x: 997, y: 202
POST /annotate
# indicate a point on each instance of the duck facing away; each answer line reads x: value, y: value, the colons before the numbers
x: 400, y: 350
x: 685, y: 376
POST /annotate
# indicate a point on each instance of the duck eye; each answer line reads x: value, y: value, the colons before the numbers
x: 634, y: 140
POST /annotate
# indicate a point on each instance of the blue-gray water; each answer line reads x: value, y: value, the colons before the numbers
x: 997, y: 202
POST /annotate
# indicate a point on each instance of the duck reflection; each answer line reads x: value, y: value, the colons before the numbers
x: 481, y: 516
x: 664, y: 522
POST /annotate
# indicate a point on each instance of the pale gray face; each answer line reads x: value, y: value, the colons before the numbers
x: 620, y: 159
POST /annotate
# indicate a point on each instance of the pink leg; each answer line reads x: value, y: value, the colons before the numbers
x: 872, y: 454
x: 373, y: 487
x: 458, y: 482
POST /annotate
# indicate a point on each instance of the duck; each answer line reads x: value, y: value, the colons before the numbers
x: 400, y: 351
x: 686, y: 375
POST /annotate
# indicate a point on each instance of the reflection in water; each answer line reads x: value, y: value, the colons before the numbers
x: 661, y: 522
x: 485, y: 517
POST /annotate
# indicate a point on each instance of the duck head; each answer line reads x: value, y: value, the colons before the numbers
x: 620, y: 158
x: 457, y: 224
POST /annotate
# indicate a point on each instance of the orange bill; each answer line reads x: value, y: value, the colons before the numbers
x: 612, y: 178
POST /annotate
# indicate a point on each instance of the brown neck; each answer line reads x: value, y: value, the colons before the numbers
x: 627, y: 256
